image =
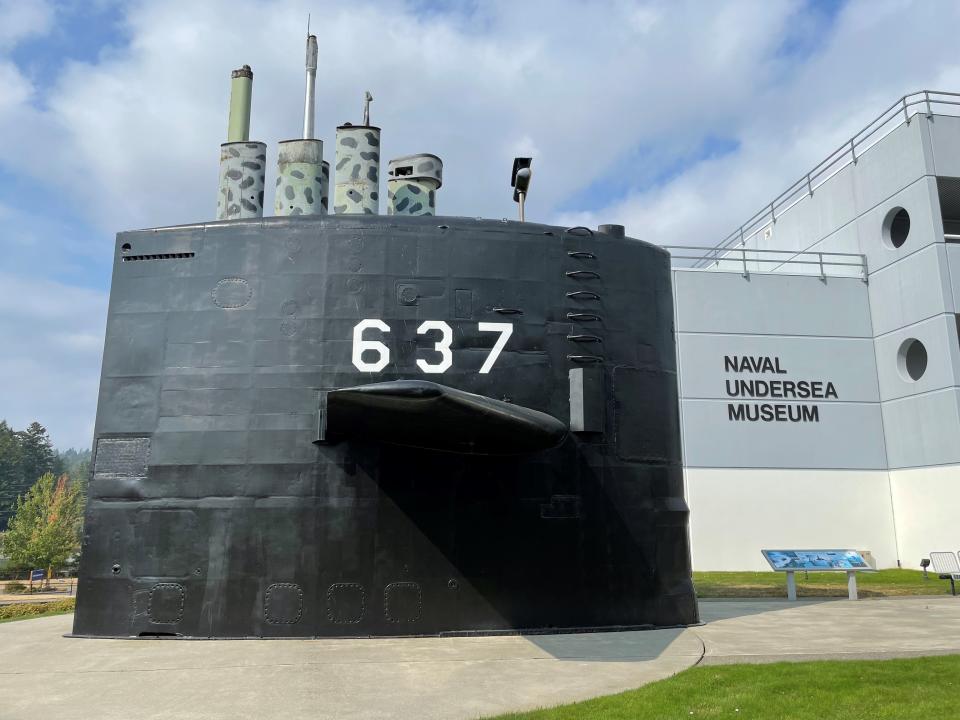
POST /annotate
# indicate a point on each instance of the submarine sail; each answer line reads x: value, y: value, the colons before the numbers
x: 375, y: 425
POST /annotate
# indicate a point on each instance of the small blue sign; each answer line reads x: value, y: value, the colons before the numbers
x: 38, y: 575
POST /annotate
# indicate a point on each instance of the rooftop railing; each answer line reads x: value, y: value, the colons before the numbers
x: 746, y: 260
x: 924, y: 101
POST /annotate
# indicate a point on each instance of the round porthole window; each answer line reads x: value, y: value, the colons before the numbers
x: 912, y: 359
x: 896, y: 227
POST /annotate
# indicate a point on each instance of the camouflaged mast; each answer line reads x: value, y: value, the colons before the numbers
x: 302, y: 176
x: 412, y: 184
x: 242, y: 163
x: 357, y: 172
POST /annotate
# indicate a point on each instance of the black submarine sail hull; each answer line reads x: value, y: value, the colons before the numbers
x: 380, y: 426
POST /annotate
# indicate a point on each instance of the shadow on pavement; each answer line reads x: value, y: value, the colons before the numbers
x: 712, y: 610
x: 626, y: 646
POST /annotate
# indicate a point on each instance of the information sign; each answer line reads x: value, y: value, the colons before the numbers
x: 815, y: 560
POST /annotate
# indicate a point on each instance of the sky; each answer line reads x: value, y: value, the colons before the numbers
x: 677, y: 119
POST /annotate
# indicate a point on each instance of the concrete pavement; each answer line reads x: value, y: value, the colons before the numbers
x: 42, y: 672
x: 775, y: 630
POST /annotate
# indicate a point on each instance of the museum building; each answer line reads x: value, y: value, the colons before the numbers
x: 818, y: 356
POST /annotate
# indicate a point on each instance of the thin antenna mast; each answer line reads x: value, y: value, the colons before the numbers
x: 367, y: 97
x: 309, y: 102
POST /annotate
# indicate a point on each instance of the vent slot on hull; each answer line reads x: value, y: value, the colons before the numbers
x: 159, y: 256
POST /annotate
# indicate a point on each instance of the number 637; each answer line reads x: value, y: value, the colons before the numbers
x: 442, y: 346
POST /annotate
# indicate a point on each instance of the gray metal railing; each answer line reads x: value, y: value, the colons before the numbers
x: 746, y: 260
x: 923, y: 101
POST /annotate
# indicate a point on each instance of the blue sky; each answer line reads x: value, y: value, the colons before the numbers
x: 676, y: 118
x: 77, y: 31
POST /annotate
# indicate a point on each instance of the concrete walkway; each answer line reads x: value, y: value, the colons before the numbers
x: 775, y: 630
x: 60, y: 589
x: 42, y: 673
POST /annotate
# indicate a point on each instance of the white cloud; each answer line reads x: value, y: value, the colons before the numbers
x: 131, y: 140
x: 876, y: 52
x: 134, y: 136
x: 643, y: 18
x: 17, y: 90
x: 21, y: 20
x: 50, y: 362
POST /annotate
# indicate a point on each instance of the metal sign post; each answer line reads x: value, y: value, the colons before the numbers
x: 789, y: 561
x: 791, y: 586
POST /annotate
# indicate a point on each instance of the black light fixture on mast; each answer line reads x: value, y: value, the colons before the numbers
x: 520, y: 181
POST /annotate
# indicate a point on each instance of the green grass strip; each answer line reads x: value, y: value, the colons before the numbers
x: 883, y: 583
x: 851, y: 689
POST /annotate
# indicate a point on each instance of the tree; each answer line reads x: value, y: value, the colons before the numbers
x: 26, y: 455
x: 11, y: 471
x: 45, y: 529
x: 79, y: 476
x: 38, y: 455
x: 76, y: 464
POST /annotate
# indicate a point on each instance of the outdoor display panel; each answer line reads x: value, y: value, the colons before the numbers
x: 815, y: 560
x: 365, y: 425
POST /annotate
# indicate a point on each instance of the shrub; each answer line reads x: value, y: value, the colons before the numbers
x: 23, y: 610
x: 17, y: 588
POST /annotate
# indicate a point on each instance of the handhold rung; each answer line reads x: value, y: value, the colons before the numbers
x: 584, y: 337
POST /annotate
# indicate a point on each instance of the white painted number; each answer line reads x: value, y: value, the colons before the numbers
x: 442, y: 346
x: 360, y: 346
x: 505, y: 330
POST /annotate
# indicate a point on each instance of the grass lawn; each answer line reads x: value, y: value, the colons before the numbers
x: 883, y: 583
x: 26, y: 611
x: 852, y: 690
